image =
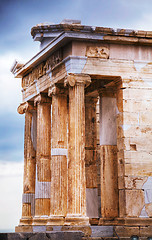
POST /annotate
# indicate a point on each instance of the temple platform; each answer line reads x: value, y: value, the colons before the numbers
x: 56, y: 235
x: 95, y: 233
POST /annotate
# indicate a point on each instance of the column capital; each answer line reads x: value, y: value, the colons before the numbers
x: 77, y: 79
x: 24, y: 107
x: 55, y: 90
x: 41, y: 98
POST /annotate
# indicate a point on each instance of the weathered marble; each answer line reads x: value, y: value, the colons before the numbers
x: 58, y: 200
x: 87, y: 162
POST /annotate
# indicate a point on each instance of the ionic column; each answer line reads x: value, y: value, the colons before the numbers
x: 43, y: 157
x: 76, y: 212
x: 28, y: 198
x: 58, y: 205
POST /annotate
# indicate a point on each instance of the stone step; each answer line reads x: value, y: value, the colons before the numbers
x: 57, y: 236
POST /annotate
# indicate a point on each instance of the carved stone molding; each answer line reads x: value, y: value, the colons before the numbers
x: 41, y: 98
x: 54, y: 90
x: 97, y: 52
x: 42, y: 69
x: 23, y: 107
x: 73, y: 79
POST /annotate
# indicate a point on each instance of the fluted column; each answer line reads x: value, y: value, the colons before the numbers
x: 58, y: 206
x: 28, y: 198
x: 76, y: 212
x: 43, y: 157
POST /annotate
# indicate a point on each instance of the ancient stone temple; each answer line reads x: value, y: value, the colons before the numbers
x: 87, y: 100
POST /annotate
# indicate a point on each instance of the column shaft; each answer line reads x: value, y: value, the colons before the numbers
x: 76, y: 213
x: 28, y: 198
x: 58, y: 206
x: 43, y: 156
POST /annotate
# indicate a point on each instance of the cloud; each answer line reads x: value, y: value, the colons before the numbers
x: 11, y: 182
x: 144, y: 23
x: 10, y: 96
x: 11, y: 123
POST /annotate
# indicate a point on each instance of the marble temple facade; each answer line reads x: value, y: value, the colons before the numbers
x: 87, y: 101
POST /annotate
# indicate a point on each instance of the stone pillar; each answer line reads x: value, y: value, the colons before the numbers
x: 108, y: 142
x: 58, y: 206
x: 90, y: 157
x: 43, y: 158
x: 28, y: 198
x: 76, y: 212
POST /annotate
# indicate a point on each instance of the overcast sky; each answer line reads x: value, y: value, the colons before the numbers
x: 17, y: 17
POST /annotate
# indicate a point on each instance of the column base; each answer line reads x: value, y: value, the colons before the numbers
x: 125, y: 221
x: 26, y: 221
x: 25, y: 228
x: 55, y: 221
x: 40, y: 220
x: 76, y: 220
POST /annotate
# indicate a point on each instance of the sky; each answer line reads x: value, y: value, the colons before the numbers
x: 17, y: 17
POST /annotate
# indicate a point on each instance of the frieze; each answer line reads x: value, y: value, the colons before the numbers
x: 97, y: 52
x: 42, y: 69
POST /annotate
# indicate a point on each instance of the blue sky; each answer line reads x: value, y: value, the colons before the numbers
x: 17, y: 17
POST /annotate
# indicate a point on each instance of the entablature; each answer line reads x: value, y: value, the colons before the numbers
x: 95, y: 51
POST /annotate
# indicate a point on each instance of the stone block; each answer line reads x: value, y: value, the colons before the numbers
x: 70, y: 235
x: 12, y: 236
x: 109, y: 178
x: 92, y: 202
x: 122, y: 203
x: 138, y: 169
x: 90, y: 156
x: 134, y: 202
x: 137, y: 94
x: 145, y: 118
x: 24, y: 228
x: 108, y: 113
x: 102, y: 231
x: 126, y: 130
x: 146, y: 231
x: 134, y: 182
x: 91, y: 176
x: 39, y: 229
x: 56, y: 228
x: 86, y: 230
x: 123, y: 231
x: 39, y: 236
x: 142, y: 143
x: 128, y: 118
x: 135, y: 157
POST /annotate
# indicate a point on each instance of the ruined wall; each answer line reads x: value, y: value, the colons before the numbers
x: 134, y: 146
